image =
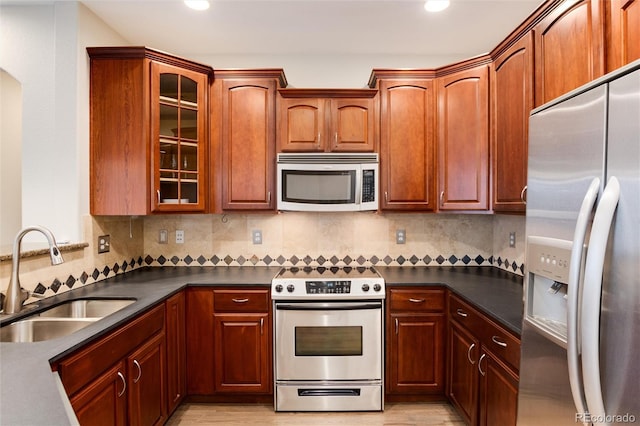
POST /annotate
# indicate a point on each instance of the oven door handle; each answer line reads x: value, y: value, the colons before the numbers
x: 328, y: 392
x: 327, y: 306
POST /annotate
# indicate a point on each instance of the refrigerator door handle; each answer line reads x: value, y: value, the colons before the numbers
x: 592, y: 295
x: 573, y: 295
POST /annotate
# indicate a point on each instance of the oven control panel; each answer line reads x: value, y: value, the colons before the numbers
x: 328, y: 287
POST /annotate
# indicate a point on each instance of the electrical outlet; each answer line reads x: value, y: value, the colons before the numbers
x: 512, y: 239
x: 401, y: 236
x: 179, y: 236
x: 256, y: 236
x: 163, y: 236
x: 104, y: 244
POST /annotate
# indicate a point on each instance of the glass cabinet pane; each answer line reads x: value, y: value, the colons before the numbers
x: 178, y: 144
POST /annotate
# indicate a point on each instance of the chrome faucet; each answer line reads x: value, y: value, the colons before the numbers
x: 16, y: 295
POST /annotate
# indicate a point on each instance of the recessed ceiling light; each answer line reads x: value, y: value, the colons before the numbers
x: 436, y: 5
x: 197, y: 4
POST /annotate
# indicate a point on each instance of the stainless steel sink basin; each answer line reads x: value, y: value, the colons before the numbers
x: 37, y: 329
x: 86, y: 308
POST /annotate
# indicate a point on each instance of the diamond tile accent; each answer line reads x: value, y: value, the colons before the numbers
x: 347, y: 260
x: 188, y: 260
x: 215, y: 260
x: 374, y: 260
x: 84, y: 277
x: 334, y: 260
x: 414, y: 259
x: 427, y: 260
x: 241, y: 260
x: 361, y: 260
x: 201, y: 260
x: 162, y: 260
x: 228, y: 260
x: 267, y: 260
x: 440, y: 260
x: 321, y: 260
x: 387, y: 259
x: 281, y: 259
x: 148, y: 260
x: 479, y: 260
x: 466, y: 259
x: 294, y: 260
x: 55, y: 286
x: 106, y: 271
x: 400, y: 259
x: 40, y: 289
x: 452, y: 259
x: 116, y: 268
x: 175, y: 260
x: 307, y: 259
x: 70, y: 281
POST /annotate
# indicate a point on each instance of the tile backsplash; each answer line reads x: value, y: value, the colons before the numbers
x: 287, y: 239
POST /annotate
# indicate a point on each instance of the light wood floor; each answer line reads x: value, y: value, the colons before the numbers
x: 404, y: 414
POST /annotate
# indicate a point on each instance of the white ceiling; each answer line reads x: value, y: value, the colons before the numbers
x: 315, y: 27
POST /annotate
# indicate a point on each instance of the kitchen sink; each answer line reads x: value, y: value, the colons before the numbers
x: 37, y: 329
x: 61, y: 320
x: 86, y: 308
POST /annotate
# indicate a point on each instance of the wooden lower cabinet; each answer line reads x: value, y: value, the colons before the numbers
x: 103, y: 402
x: 482, y: 373
x: 146, y: 383
x: 241, y: 351
x: 463, y: 373
x: 176, y: 351
x: 499, y: 392
x: 415, y: 352
x: 229, y: 344
x: 120, y: 379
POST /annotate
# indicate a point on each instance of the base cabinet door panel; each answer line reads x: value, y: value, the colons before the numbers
x: 417, y: 356
x: 463, y: 373
x: 104, y: 402
x: 499, y: 393
x: 240, y: 348
x: 147, y: 395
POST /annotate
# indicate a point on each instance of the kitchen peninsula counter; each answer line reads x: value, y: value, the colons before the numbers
x: 30, y: 394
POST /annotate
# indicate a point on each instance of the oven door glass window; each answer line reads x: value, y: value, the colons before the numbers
x: 328, y: 341
x: 319, y: 187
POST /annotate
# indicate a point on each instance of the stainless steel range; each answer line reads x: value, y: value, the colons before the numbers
x: 328, y: 352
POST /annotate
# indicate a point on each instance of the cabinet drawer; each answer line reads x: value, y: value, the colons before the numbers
x: 501, y: 343
x: 465, y: 315
x: 240, y: 300
x: 416, y: 300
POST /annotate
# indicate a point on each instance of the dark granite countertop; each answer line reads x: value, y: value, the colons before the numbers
x: 27, y: 381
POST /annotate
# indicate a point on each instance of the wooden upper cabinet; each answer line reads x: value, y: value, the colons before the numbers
x: 511, y: 103
x: 148, y: 132
x: 569, y: 49
x: 407, y: 140
x: 623, y: 46
x: 327, y: 120
x: 244, y: 130
x: 463, y: 139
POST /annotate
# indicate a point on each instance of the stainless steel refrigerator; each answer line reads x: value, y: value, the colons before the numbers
x: 580, y: 360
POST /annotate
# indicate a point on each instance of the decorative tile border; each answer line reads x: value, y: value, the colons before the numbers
x: 307, y: 260
x: 84, y: 278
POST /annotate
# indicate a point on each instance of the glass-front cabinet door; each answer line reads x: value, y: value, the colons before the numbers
x: 179, y: 138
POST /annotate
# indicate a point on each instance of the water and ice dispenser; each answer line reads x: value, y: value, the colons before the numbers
x: 546, y: 286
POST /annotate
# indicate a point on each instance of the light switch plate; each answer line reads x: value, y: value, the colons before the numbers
x: 163, y: 236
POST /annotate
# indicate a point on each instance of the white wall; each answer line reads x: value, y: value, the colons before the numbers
x: 10, y: 157
x: 42, y: 46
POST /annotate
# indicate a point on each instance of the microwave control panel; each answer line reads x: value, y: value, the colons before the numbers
x: 368, y: 186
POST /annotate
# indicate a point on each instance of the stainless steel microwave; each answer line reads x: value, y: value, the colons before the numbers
x: 327, y: 182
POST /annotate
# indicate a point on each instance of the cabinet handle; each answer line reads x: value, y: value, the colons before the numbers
x: 479, y: 364
x: 158, y: 194
x: 473, y: 345
x: 269, y: 197
x: 240, y: 300
x: 137, y: 364
x: 261, y: 326
x: 441, y: 198
x: 522, y: 195
x: 497, y: 341
x: 319, y: 138
x: 386, y: 197
x: 124, y: 384
x: 396, y: 325
x: 412, y: 300
x: 335, y: 137
x: 461, y: 313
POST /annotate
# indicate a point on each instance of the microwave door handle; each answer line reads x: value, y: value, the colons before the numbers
x: 359, y: 186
